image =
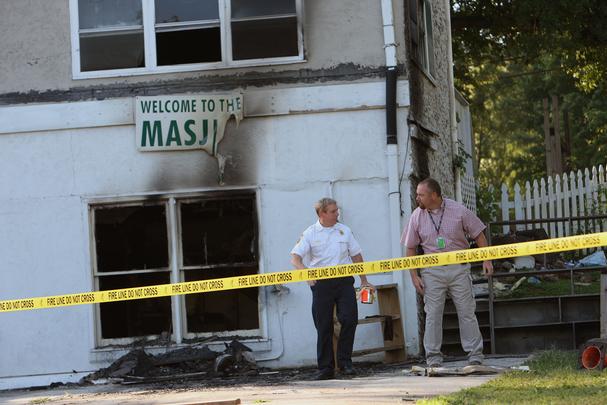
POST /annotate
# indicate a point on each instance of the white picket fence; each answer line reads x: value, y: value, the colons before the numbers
x: 567, y: 196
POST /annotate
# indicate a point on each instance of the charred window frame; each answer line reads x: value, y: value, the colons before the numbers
x: 167, y: 240
x: 131, y: 37
x: 131, y: 249
x: 421, y: 37
x: 219, y: 238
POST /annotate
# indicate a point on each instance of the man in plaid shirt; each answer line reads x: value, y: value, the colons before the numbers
x: 441, y: 225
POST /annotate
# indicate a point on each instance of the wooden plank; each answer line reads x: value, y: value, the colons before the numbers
x: 221, y: 402
x: 375, y: 320
x: 131, y: 380
x: 386, y: 349
x: 385, y: 286
x: 389, y: 304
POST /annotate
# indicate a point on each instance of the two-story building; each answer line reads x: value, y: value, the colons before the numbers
x: 147, y: 142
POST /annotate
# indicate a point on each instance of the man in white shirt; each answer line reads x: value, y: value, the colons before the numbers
x: 330, y: 243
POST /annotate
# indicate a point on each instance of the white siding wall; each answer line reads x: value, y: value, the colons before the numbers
x: 48, y: 176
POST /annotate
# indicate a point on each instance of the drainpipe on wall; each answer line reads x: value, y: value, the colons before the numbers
x: 394, y: 201
x: 452, y: 116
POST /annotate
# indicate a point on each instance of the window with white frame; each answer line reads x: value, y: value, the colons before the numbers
x: 210, y: 237
x: 127, y: 37
x: 421, y: 35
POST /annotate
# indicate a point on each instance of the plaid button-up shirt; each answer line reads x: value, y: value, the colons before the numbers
x: 457, y: 223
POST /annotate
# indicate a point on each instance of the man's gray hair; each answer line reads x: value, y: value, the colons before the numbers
x: 323, y: 203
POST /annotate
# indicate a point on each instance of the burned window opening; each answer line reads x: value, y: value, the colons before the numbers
x: 222, y: 310
x: 131, y: 238
x: 218, y: 231
x: 135, y: 318
x: 217, y: 237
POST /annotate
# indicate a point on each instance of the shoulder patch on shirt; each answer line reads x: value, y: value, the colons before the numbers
x: 341, y: 232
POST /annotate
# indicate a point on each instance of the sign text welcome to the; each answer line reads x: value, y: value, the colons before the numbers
x: 184, y: 122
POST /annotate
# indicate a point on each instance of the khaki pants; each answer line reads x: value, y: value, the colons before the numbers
x: 454, y: 279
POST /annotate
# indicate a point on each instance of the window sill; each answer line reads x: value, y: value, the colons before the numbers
x: 111, y: 354
x: 184, y: 68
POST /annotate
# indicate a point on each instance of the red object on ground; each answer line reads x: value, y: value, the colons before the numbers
x: 592, y: 354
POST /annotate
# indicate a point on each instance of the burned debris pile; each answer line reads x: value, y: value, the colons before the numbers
x: 137, y: 366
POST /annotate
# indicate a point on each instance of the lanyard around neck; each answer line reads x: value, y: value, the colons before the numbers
x: 440, y: 221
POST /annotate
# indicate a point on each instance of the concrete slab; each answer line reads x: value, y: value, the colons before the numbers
x: 395, y: 386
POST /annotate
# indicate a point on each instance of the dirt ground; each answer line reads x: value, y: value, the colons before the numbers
x: 375, y: 384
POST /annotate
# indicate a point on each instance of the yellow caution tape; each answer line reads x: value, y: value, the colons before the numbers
x: 260, y: 280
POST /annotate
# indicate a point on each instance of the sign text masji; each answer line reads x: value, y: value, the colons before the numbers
x: 193, y: 105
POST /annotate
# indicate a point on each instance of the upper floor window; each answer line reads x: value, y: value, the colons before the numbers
x: 127, y: 37
x: 421, y: 35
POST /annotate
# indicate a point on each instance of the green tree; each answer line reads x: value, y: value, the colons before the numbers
x: 509, y: 56
x: 525, y: 30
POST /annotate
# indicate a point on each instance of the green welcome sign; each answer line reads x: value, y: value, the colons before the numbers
x: 184, y: 122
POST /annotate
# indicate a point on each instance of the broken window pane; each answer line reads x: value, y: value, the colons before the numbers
x: 219, y: 231
x: 140, y: 317
x: 169, y: 11
x: 111, y: 50
x: 131, y: 238
x: 252, y: 8
x: 222, y: 310
x: 188, y: 46
x: 270, y: 38
x: 109, y: 13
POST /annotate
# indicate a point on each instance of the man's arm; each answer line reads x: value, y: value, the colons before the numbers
x: 297, y: 262
x: 415, y: 278
x: 363, y: 278
x: 481, y: 241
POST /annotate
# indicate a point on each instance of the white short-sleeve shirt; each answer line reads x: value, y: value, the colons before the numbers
x: 327, y: 246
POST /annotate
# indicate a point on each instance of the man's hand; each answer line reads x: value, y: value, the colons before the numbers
x: 417, y: 282
x: 487, y: 268
x: 481, y: 241
x: 311, y: 283
x: 366, y: 284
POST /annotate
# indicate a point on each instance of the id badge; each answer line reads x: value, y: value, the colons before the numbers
x: 440, y: 242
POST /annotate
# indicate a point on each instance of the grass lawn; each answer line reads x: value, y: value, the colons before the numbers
x: 554, y: 379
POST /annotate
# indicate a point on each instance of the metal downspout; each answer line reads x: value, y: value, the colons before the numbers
x: 392, y: 154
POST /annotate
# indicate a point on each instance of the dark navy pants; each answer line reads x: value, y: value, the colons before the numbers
x: 325, y: 295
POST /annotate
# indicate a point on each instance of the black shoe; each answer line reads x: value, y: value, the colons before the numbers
x: 349, y: 371
x: 324, y: 375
